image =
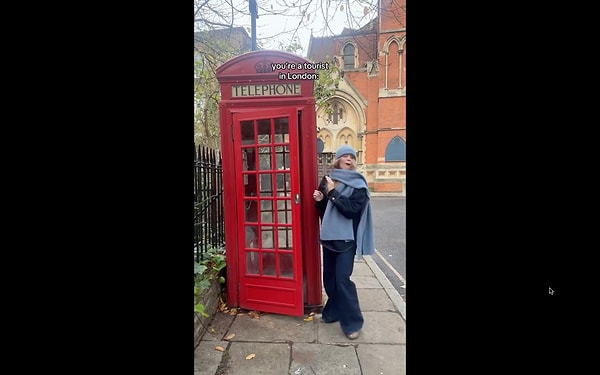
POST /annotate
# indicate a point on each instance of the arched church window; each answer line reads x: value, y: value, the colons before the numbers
x: 348, y: 53
x: 396, y: 150
x: 336, y: 114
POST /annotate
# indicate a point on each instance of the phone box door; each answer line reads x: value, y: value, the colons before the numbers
x: 268, y: 218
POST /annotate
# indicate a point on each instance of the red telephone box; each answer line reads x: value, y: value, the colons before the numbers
x: 269, y: 154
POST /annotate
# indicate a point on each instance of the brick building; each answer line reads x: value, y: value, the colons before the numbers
x: 368, y: 111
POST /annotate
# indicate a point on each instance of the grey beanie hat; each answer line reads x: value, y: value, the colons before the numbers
x: 343, y: 150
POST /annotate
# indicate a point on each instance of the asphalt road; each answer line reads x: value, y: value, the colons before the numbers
x: 389, y: 224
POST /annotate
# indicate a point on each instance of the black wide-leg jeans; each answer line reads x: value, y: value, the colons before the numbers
x: 342, y: 299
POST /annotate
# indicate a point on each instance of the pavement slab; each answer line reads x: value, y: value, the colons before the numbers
x: 269, y: 359
x: 361, y: 269
x: 272, y: 328
x: 377, y: 359
x: 218, y: 326
x: 364, y: 281
x: 380, y: 327
x: 374, y: 300
x: 207, y: 358
x: 323, y: 359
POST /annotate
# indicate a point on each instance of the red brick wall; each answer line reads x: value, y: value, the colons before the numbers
x: 393, y: 14
x: 396, y: 187
x: 392, y: 112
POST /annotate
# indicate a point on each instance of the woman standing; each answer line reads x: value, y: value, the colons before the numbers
x: 343, y: 202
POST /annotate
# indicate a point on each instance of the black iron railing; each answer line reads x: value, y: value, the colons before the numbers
x: 209, y: 229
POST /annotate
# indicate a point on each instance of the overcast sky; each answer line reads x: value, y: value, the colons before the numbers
x: 279, y: 20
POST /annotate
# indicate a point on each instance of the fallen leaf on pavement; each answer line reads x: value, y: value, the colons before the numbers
x: 250, y: 356
x: 220, y: 348
x: 230, y: 336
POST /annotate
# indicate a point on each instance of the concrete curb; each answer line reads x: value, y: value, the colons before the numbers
x: 387, y: 286
x: 384, y: 194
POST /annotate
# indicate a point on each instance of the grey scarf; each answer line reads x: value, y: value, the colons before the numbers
x: 336, y: 226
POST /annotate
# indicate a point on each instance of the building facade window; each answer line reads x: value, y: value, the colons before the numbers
x: 327, y: 142
x: 346, y: 137
x: 396, y: 150
x: 402, y: 53
x: 336, y: 114
x: 393, y: 73
x: 395, y: 65
x: 348, y: 52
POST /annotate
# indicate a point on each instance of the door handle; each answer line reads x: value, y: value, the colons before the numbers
x: 297, y: 198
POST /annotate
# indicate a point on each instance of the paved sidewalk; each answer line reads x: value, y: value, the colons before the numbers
x: 290, y: 345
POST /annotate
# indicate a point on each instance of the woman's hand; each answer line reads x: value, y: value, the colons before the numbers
x: 317, y: 195
x: 330, y: 184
